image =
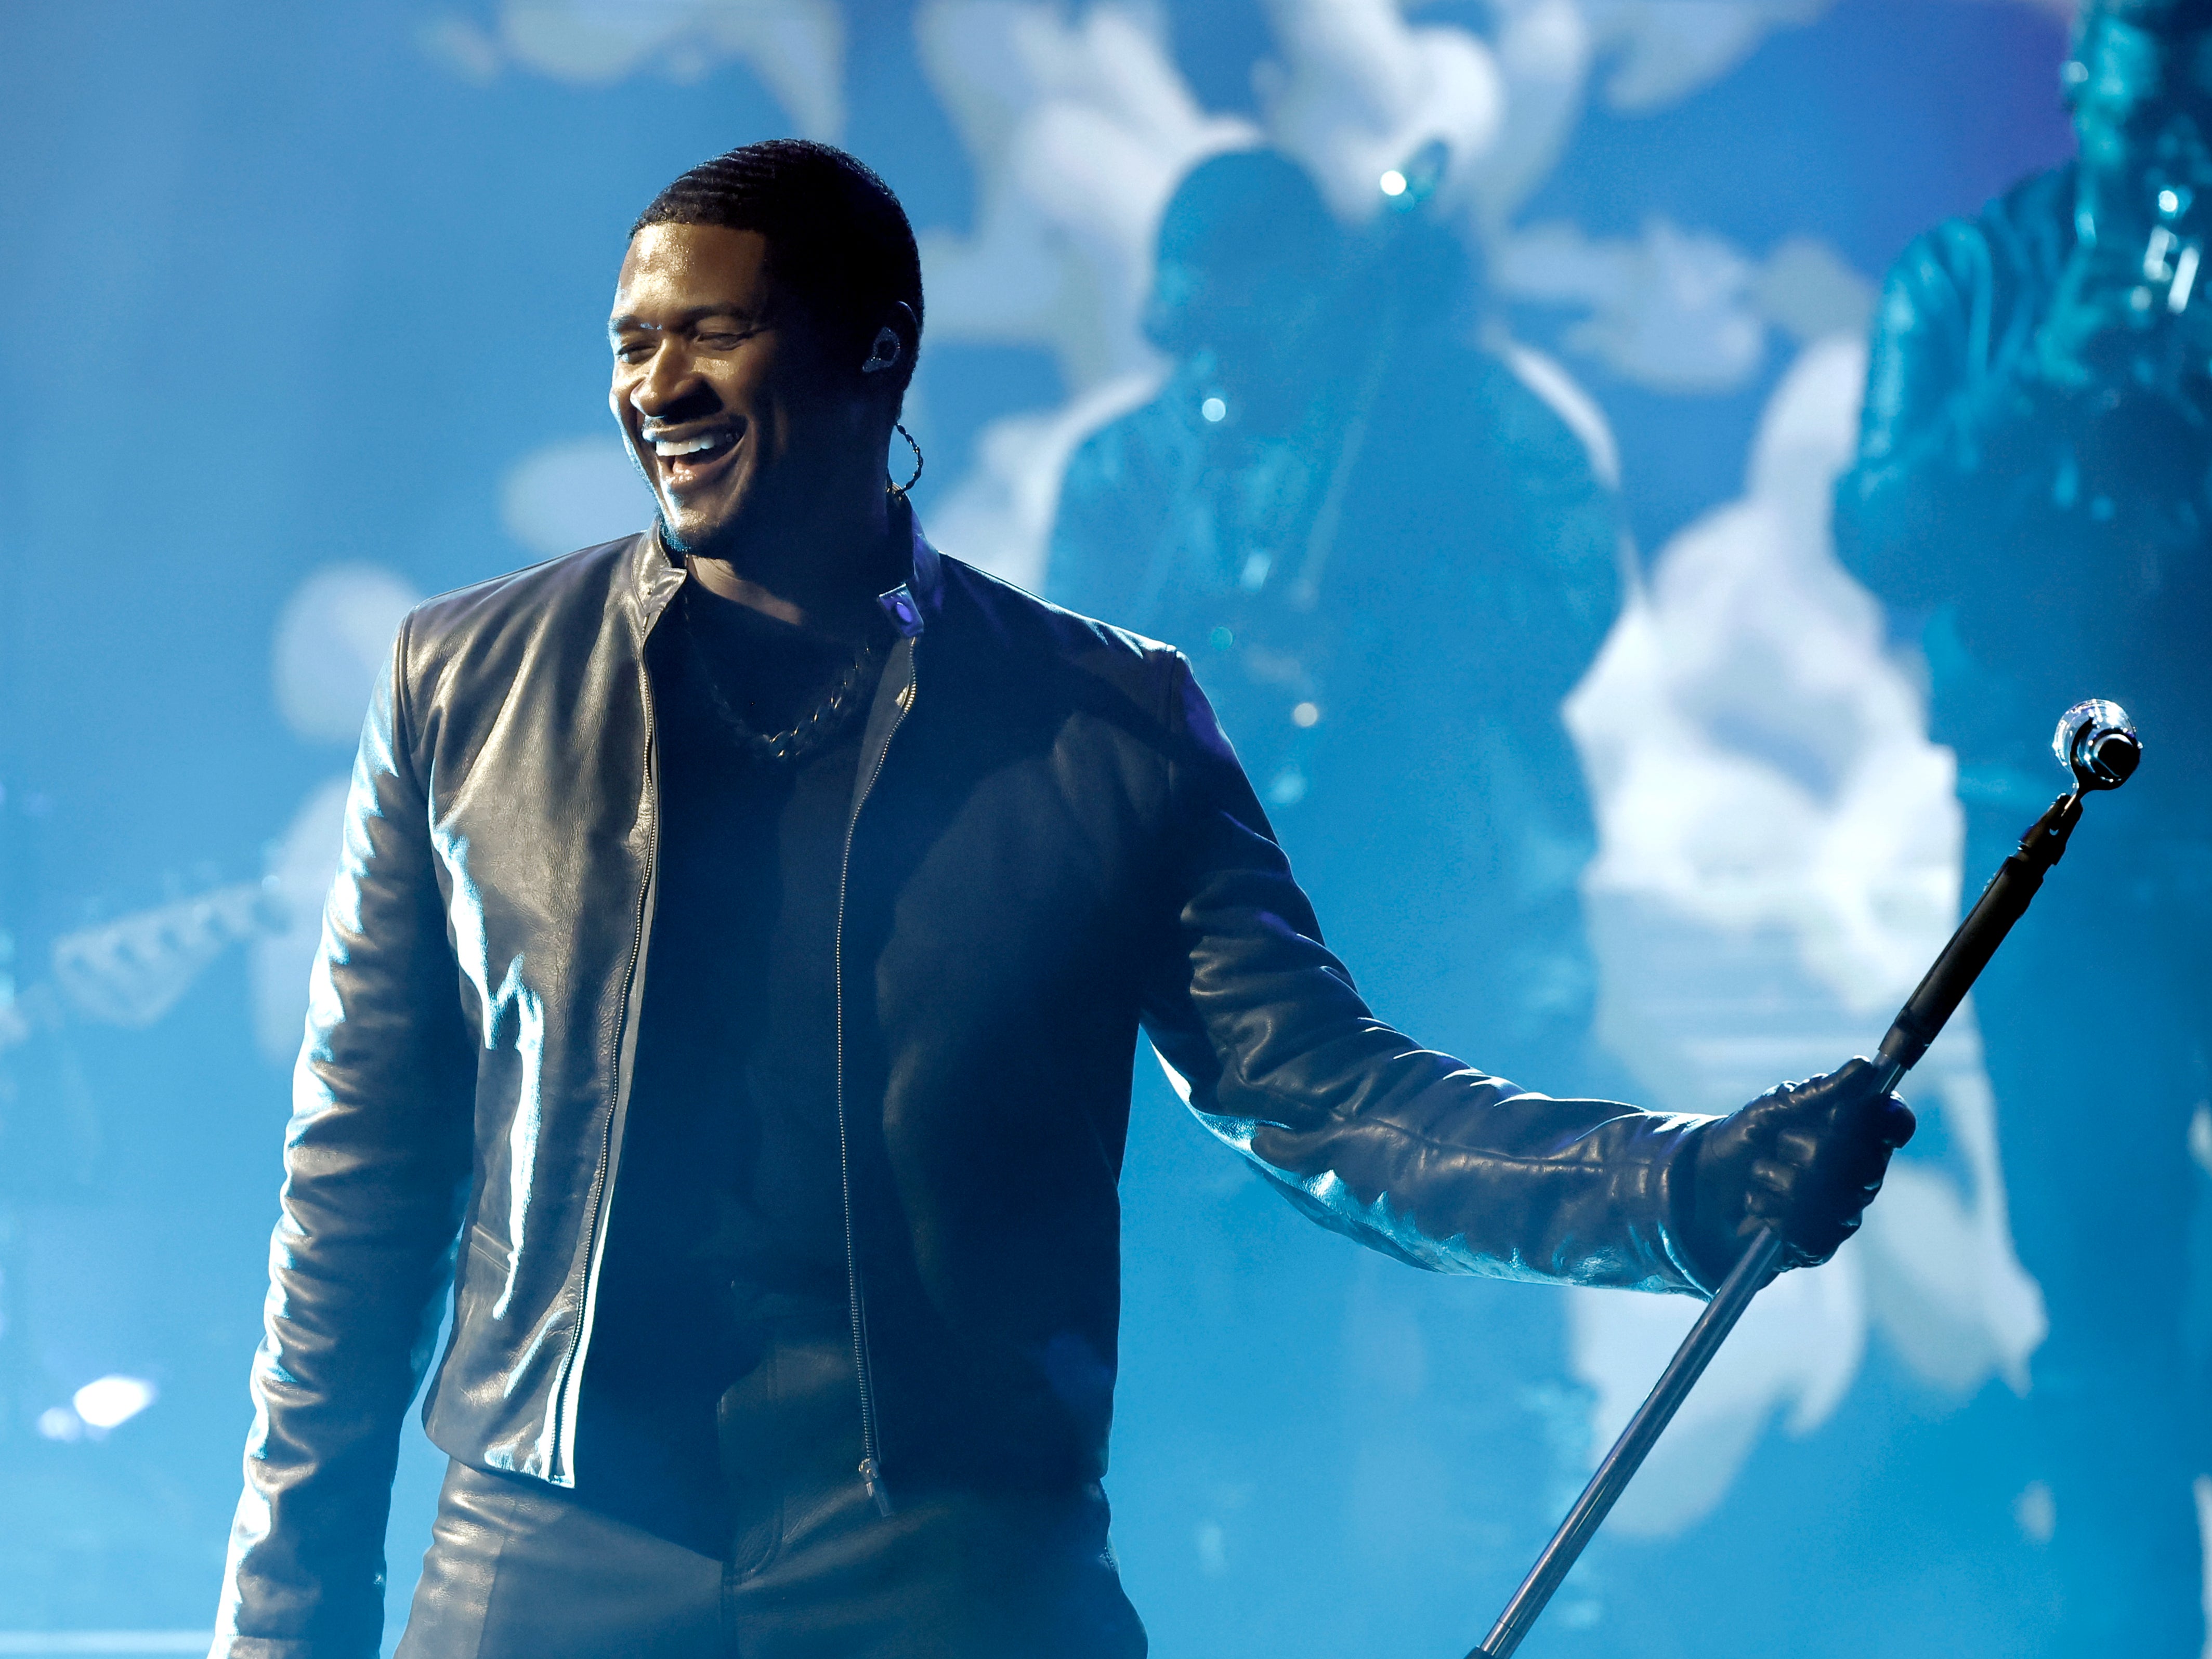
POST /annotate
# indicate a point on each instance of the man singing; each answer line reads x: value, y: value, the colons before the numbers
x: 731, y: 985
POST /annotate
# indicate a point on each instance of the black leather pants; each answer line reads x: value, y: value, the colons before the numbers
x: 519, y: 1570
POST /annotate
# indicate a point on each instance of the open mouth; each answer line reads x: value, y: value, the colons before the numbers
x: 693, y: 458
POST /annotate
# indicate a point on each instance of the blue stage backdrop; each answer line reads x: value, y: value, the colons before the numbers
x: 303, y: 315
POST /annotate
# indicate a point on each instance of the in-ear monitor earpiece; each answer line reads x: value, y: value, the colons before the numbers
x: 883, y: 352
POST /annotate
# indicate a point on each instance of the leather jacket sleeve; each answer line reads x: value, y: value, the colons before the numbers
x: 1972, y: 460
x: 1410, y: 1151
x: 1935, y: 407
x: 376, y: 1160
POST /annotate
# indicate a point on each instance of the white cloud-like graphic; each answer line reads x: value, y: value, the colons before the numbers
x: 1760, y: 760
x: 1659, y: 52
x: 1673, y: 310
x: 796, y: 47
x: 1078, y: 128
x: 576, y: 493
x: 333, y: 638
x: 1682, y: 312
x: 1357, y: 86
x: 1356, y: 89
x: 1778, y: 863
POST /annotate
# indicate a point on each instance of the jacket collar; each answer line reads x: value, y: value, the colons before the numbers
x: 655, y: 576
x: 927, y: 581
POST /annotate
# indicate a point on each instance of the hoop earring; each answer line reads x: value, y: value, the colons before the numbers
x: 898, y: 490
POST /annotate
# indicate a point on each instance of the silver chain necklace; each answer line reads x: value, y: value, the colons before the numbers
x: 824, y: 721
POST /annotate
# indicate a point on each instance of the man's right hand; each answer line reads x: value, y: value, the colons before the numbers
x: 1804, y: 1158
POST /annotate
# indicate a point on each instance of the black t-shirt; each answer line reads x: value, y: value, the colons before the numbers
x: 728, y: 1222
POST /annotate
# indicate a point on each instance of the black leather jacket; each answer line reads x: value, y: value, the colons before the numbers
x: 1051, y: 847
x: 2043, y: 540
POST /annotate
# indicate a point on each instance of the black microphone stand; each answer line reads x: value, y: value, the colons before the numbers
x: 2098, y: 745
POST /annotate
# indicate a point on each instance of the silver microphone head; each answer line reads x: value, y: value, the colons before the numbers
x: 2097, y: 743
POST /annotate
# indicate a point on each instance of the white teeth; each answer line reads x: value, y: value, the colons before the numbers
x: 670, y: 448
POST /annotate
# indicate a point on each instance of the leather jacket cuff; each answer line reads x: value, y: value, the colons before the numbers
x: 1703, y: 1260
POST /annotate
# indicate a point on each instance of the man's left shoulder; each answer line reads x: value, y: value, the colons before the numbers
x: 1038, y: 640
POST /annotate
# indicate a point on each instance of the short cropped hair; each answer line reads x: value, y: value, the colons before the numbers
x: 838, y: 240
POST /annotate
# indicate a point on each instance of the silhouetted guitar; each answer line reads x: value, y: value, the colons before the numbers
x: 132, y: 970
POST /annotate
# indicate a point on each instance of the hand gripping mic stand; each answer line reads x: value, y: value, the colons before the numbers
x: 2097, y: 744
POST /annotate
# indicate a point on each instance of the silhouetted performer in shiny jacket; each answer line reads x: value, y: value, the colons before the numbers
x: 2033, y: 491
x: 730, y: 989
x: 1390, y: 560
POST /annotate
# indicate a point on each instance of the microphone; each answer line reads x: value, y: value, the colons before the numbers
x: 2097, y: 743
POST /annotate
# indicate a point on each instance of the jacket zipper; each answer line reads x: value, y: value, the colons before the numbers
x: 871, y: 1474
x: 563, y: 1404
